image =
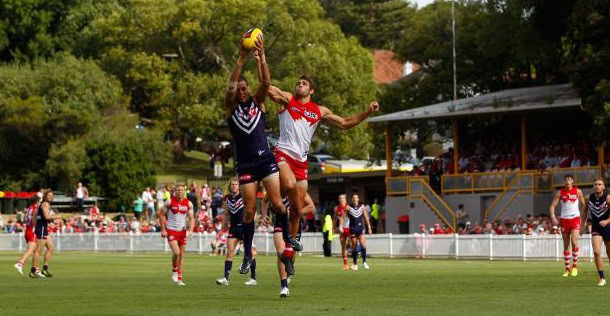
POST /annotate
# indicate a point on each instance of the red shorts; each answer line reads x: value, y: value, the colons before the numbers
x: 299, y: 168
x: 344, y: 234
x: 569, y: 224
x: 179, y: 236
x: 30, y: 236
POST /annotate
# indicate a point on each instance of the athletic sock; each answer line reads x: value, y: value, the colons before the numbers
x: 282, y: 219
x: 601, y: 274
x: 20, y: 263
x: 288, y: 252
x: 179, y: 275
x: 248, y: 237
x: 344, y: 261
x: 46, y: 267
x: 33, y: 270
x: 575, y: 257
x: 363, y: 251
x: 283, y: 283
x: 174, y: 269
x: 228, y: 266
x: 566, y: 259
x: 355, y: 256
x: 253, y: 269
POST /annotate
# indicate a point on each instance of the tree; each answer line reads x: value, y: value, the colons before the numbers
x: 587, y: 57
x: 376, y: 23
x: 173, y: 62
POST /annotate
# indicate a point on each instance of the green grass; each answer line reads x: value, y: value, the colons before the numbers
x: 139, y: 284
x: 194, y: 167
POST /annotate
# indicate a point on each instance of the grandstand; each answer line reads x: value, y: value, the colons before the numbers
x: 511, y: 151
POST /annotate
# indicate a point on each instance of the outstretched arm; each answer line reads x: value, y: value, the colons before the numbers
x: 230, y: 102
x: 350, y: 121
x: 264, y: 77
x: 278, y: 96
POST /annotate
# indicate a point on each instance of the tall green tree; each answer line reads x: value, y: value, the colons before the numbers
x: 174, y: 63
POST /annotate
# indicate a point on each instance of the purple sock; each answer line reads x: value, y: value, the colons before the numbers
x: 228, y: 266
x: 248, y: 237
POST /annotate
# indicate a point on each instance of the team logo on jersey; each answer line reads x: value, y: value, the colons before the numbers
x: 569, y: 197
x: 310, y: 116
x: 261, y: 152
x: 246, y: 119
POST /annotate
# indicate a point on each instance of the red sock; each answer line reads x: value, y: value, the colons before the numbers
x: 174, y: 269
x: 179, y: 275
x: 566, y: 259
x: 287, y: 251
x: 575, y: 257
x: 344, y: 261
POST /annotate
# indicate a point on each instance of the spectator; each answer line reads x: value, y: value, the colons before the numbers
x: 94, y: 211
x: 138, y: 204
x: 374, y: 215
x: 135, y: 225
x: 149, y: 203
x: 81, y: 194
x: 462, y: 216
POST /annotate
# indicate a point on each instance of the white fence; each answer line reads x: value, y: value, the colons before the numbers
x: 490, y: 247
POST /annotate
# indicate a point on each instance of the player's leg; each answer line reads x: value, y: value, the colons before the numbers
x: 288, y: 188
x: 47, y: 256
x: 297, y: 208
x: 574, y: 236
x: 354, y: 244
x: 35, y: 271
x: 279, y: 243
x: 272, y: 187
x: 248, y: 192
x: 28, y: 252
x: 182, y: 249
x: 362, y: 241
x: 343, y: 240
x: 565, y: 235
x: 175, y: 248
x: 231, y: 245
x: 596, y: 244
x: 607, y: 244
x: 252, y: 280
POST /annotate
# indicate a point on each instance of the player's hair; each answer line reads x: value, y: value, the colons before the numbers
x: 231, y: 180
x: 242, y: 78
x: 569, y: 175
x: 179, y: 184
x: 599, y: 178
x: 342, y: 195
x: 312, y: 84
x: 46, y: 193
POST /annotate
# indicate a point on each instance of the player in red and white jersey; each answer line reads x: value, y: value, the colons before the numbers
x: 30, y: 237
x: 571, y: 198
x: 172, y: 218
x: 343, y: 226
x: 298, y: 121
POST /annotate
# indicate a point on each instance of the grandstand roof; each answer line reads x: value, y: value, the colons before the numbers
x: 505, y: 101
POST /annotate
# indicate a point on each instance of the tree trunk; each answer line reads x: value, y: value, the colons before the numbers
x: 177, y: 148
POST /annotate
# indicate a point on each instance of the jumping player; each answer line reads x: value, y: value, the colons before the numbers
x: 41, y: 231
x: 343, y: 226
x: 172, y: 218
x: 245, y: 115
x: 357, y: 218
x: 30, y: 238
x: 298, y: 121
x: 234, y: 203
x: 570, y: 198
x: 598, y: 204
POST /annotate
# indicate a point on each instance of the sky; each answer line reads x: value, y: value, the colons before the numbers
x: 422, y: 3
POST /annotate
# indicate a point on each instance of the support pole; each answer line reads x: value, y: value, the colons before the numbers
x: 601, y: 155
x: 456, y: 155
x: 388, y: 151
x: 523, y: 142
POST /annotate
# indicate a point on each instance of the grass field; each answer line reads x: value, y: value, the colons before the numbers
x: 139, y: 284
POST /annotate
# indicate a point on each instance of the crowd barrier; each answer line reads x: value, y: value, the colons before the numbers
x: 516, y: 247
